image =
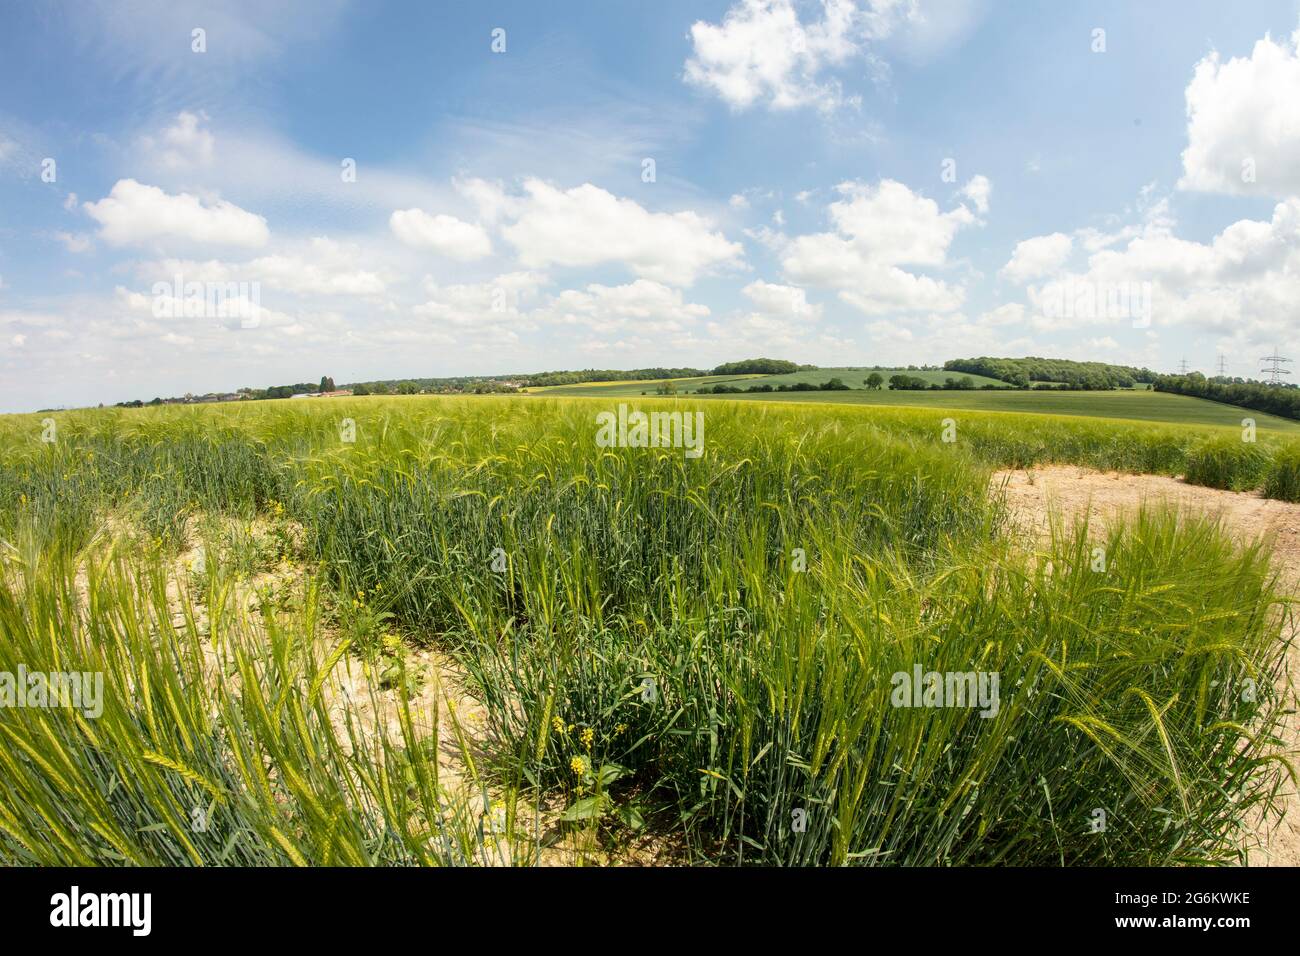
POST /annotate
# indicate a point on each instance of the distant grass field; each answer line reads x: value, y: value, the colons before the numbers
x: 851, y: 376
x: 1137, y: 404
x: 1123, y: 404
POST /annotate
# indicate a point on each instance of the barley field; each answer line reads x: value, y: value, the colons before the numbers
x: 462, y: 631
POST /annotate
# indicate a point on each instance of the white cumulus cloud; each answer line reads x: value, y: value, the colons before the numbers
x: 322, y: 266
x: 781, y: 300
x: 763, y: 52
x: 588, y: 226
x: 135, y: 213
x: 1241, y: 285
x: 879, y: 229
x: 1039, y: 256
x: 446, y: 235
x: 1243, y: 122
x: 643, y: 306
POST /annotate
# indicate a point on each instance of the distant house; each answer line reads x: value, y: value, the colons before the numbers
x: 337, y: 393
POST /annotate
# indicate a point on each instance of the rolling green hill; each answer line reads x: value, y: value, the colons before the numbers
x: 1138, y: 404
x: 852, y: 377
x: 1131, y: 404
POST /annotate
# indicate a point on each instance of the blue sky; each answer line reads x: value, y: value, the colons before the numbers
x: 847, y: 182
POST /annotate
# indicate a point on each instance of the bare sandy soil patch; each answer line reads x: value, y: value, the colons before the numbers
x: 1032, y: 495
x: 1102, y: 495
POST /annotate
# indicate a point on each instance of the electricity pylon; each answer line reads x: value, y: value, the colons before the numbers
x: 1274, y: 367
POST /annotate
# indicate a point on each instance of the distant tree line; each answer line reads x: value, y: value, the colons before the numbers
x: 608, y: 375
x: 285, y: 391
x: 831, y: 385
x: 1079, y: 376
x: 326, y: 384
x: 1283, y: 400
x: 451, y: 385
x: 466, y: 384
x: 903, y: 383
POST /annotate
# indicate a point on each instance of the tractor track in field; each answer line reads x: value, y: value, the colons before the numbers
x: 445, y: 713
x: 1034, y: 495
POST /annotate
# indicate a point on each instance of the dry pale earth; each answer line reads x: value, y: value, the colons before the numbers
x: 1033, y: 495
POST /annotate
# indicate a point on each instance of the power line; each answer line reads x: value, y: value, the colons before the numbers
x: 1223, y: 366
x: 1182, y: 367
x: 1274, y: 367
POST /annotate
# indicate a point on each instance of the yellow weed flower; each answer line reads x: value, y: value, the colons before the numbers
x: 557, y: 724
x: 578, y: 765
x: 620, y: 729
x: 588, y: 735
